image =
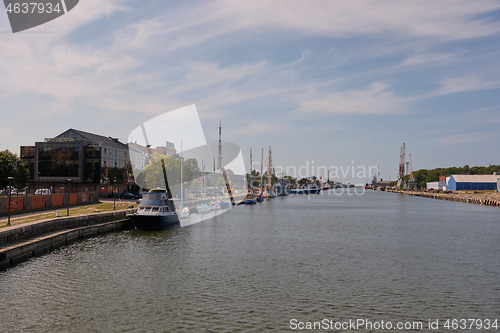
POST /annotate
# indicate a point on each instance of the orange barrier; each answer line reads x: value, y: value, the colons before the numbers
x: 73, y: 198
x: 16, y: 204
x: 38, y: 202
x: 57, y: 200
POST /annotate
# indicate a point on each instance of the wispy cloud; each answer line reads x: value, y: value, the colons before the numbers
x: 465, y: 84
x: 377, y: 98
x: 438, y: 19
x: 112, y: 65
x: 457, y: 139
x: 431, y: 58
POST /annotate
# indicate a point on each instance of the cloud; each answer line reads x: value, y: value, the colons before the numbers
x: 377, y: 98
x: 426, y: 58
x: 258, y: 127
x: 466, y: 84
x: 458, y: 139
x: 450, y: 20
x: 231, y: 57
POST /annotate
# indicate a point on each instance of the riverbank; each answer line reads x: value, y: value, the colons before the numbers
x: 82, y: 210
x: 21, y: 242
x: 479, y: 198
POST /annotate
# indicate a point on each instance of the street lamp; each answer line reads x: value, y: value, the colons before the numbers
x: 10, y: 179
x: 114, y: 194
x: 67, y: 189
x: 37, y: 182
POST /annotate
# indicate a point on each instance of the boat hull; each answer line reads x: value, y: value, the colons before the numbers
x: 154, y: 222
x: 282, y: 191
x: 225, y: 205
x: 203, y: 209
x: 306, y: 191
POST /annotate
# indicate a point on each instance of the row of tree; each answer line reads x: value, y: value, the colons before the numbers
x: 423, y: 176
x: 12, y: 166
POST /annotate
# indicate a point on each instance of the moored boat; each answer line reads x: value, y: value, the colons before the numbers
x: 306, y: 190
x: 203, y: 207
x: 282, y: 189
x: 156, y: 210
x: 250, y: 200
x: 183, y: 212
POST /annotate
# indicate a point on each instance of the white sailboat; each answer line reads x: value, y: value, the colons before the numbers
x: 214, y: 205
x: 182, y: 212
x: 203, y: 207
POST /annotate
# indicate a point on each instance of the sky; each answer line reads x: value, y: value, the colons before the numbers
x: 335, y: 84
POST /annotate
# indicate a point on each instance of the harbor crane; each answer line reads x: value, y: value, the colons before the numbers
x: 412, y: 184
x: 401, y: 177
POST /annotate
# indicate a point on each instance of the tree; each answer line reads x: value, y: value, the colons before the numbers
x: 153, y: 172
x: 12, y: 166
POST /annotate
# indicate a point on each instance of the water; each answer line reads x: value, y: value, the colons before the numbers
x: 380, y: 256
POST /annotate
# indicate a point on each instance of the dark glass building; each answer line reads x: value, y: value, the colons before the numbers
x: 82, y: 157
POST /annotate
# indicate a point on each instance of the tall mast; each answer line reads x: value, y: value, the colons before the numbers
x: 269, y: 172
x: 262, y: 172
x: 224, y: 174
x: 215, y: 181
x: 401, y: 176
x: 182, y: 181
x: 219, y: 165
x: 250, y: 186
x: 169, y: 194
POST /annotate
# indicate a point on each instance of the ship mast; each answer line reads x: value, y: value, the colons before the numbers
x: 224, y: 174
x: 182, y: 181
x: 169, y: 194
x: 269, y: 184
x: 262, y: 172
x: 219, y: 161
x: 250, y: 185
x: 401, y: 176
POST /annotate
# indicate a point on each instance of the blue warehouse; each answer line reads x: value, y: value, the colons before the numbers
x: 473, y: 182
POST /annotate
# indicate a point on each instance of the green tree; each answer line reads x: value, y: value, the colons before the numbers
x: 153, y: 172
x: 12, y: 166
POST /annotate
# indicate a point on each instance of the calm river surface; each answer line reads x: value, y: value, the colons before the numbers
x: 380, y: 256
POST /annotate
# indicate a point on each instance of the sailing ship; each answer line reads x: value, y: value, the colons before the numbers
x: 203, y: 207
x: 182, y: 211
x: 310, y: 189
x: 156, y: 210
x: 282, y: 189
x: 269, y: 191
x: 250, y: 198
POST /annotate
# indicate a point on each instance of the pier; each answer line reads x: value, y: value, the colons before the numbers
x: 485, y: 198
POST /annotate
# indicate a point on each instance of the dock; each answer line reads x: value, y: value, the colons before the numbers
x: 474, y: 197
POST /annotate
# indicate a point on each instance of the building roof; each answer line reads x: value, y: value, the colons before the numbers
x: 98, y: 139
x: 476, y: 178
x: 138, y: 148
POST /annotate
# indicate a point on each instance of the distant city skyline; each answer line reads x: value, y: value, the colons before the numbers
x: 334, y: 84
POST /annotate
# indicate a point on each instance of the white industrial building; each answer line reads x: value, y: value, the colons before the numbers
x: 440, y: 185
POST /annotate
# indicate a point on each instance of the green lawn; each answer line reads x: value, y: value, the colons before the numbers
x: 81, y: 210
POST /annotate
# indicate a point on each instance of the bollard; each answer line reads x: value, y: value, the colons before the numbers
x: 58, y: 213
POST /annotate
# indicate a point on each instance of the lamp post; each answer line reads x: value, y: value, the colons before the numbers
x: 68, y: 181
x: 114, y: 194
x: 10, y: 179
x: 37, y: 182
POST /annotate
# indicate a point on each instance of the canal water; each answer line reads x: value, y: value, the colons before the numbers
x: 377, y: 257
